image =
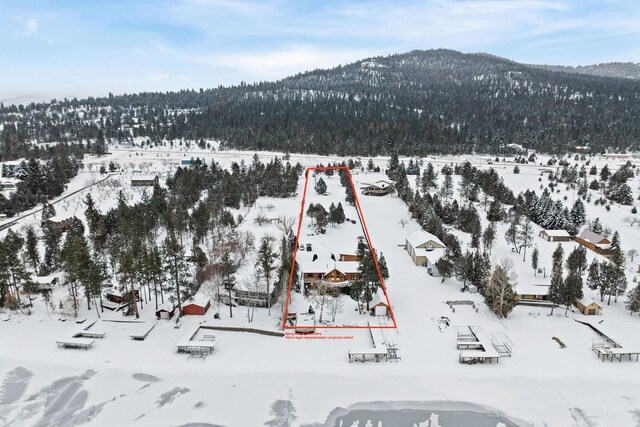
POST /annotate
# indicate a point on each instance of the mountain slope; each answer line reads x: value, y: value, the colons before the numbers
x: 421, y: 102
x: 625, y: 70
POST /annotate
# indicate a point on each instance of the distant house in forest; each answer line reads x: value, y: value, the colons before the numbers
x: 531, y: 293
x: 144, y: 180
x: 197, y: 305
x: 378, y: 188
x: 165, y: 311
x: 58, y: 223
x: 120, y: 297
x: 596, y: 242
x: 589, y: 307
x: 425, y: 249
x: 555, y: 235
x: 583, y: 149
x: 250, y: 297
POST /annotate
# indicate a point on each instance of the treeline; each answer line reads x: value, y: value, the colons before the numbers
x: 40, y: 181
x: 160, y: 248
x: 417, y: 103
x: 241, y: 184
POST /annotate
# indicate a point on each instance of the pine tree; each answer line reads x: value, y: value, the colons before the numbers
x: 525, y: 237
x: 633, y: 300
x: 447, y: 262
x: 572, y: 289
x: 266, y: 264
x: 32, y: 248
x: 495, y: 211
x: 556, y: 287
x: 177, y: 269
x: 321, y: 186
x: 227, y: 270
x: 429, y: 178
x: 464, y: 269
x: 336, y: 214
x: 489, y: 237
x: 534, y: 260
x: 446, y: 190
x: 481, y: 270
x: 392, y: 166
x: 595, y: 226
x: 578, y: 215
x: 370, y: 165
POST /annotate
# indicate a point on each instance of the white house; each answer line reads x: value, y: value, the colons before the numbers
x: 378, y: 188
x: 425, y: 249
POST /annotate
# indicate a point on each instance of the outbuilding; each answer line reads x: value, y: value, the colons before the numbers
x: 379, y: 306
x: 531, y: 292
x: 594, y: 241
x: 589, y: 307
x: 144, y: 180
x: 58, y: 223
x: 198, y: 306
x: 165, y: 311
x: 555, y: 235
x: 425, y: 250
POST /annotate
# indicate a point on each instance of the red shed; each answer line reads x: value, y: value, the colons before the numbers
x: 197, y: 305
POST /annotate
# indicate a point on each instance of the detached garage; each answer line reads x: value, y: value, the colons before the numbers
x: 589, y: 307
x: 379, y: 306
x: 165, y: 311
x: 197, y: 306
x: 555, y: 235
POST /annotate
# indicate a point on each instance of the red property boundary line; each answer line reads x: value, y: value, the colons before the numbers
x: 366, y: 232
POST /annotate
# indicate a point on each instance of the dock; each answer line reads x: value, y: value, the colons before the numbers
x: 610, y: 347
x: 196, y: 348
x: 82, y: 343
x: 477, y: 347
x: 143, y: 332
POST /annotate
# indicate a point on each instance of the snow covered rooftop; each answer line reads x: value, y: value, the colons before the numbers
x: 592, y: 237
x: 325, y: 266
x: 557, y: 233
x: 378, y: 299
x: 588, y: 301
x: 421, y: 237
x: 167, y: 306
x: 528, y: 289
x: 381, y: 184
x: 143, y: 177
x: 198, y: 299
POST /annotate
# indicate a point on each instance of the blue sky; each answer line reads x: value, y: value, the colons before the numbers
x: 91, y: 47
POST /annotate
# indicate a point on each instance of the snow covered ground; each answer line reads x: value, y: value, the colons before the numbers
x: 244, y: 383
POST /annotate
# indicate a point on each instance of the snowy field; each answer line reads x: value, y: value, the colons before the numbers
x: 253, y: 379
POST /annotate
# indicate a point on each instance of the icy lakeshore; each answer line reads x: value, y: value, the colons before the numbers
x: 132, y: 373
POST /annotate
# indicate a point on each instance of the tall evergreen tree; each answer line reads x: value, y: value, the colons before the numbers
x: 556, y: 288
x: 267, y: 264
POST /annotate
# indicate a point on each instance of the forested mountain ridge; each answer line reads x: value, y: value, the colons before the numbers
x: 417, y: 103
x: 627, y: 70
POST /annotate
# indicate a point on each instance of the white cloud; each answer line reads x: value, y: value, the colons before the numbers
x: 157, y: 77
x: 29, y: 27
x: 285, y: 61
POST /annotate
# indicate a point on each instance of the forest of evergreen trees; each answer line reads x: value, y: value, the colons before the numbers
x: 152, y: 245
x: 417, y: 103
